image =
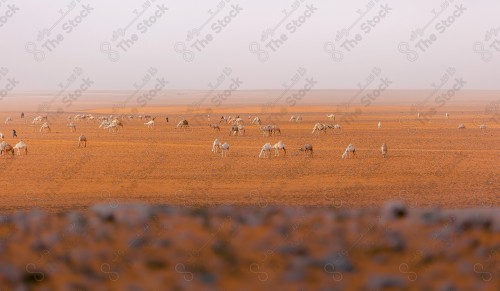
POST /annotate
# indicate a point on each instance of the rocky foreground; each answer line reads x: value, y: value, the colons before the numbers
x: 141, y: 247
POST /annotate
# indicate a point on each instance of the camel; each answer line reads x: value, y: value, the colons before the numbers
x: 308, y: 149
x: 297, y: 118
x: 21, y: 146
x: 318, y: 127
x: 241, y: 130
x: 447, y: 115
x: 238, y: 121
x: 350, y: 150
x: 279, y: 146
x: 418, y: 115
x: 337, y: 126
x: 383, y: 148
x: 266, y: 151
x: 234, y: 130
x: 82, y: 140
x: 331, y: 116
x: 39, y: 119
x: 6, y: 148
x: 45, y: 126
x: 225, y: 149
x: 379, y: 125
x: 461, y: 126
x: 216, y: 146
x: 72, y: 127
x: 215, y: 126
x: 256, y: 120
x: 2, y: 136
x: 8, y: 119
x: 183, y: 124
x: 483, y: 126
x: 150, y: 124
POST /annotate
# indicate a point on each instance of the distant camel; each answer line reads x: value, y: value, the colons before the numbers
x: 183, y: 124
x: 350, y: 150
x: 461, y: 126
x: 9, y: 119
x: 216, y: 146
x: 225, y: 149
x: 331, y: 116
x: 21, y: 146
x: 5, y: 148
x: 266, y: 151
x: 379, y: 125
x: 383, y: 148
x: 215, y: 127
x: 150, y: 124
x: 279, y: 146
x: 82, y: 140
x: 308, y: 149
x: 72, y: 127
x: 45, y: 127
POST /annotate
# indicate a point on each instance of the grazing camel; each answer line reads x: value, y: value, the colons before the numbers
x: 383, y: 148
x: 279, y: 146
x: 6, y: 148
x: 225, y: 149
x: 308, y: 149
x: 150, y: 124
x: 266, y: 151
x: 483, y: 126
x: 72, y: 127
x: 8, y: 119
x: 318, y: 127
x: 331, y: 116
x: 21, y: 146
x: 297, y: 118
x: 461, y: 126
x: 379, y: 125
x: 348, y: 151
x: 215, y: 126
x: 45, y: 127
x: 2, y: 136
x: 337, y: 126
x: 183, y: 124
x: 82, y: 140
x: 234, y: 130
x: 257, y: 120
x: 216, y: 146
x: 241, y: 130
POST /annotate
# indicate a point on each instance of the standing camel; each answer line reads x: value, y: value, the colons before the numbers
x: 21, y: 146
x: 82, y: 140
x: 383, y: 148
x: 350, y: 150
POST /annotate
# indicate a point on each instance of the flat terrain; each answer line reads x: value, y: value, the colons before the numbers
x: 430, y: 162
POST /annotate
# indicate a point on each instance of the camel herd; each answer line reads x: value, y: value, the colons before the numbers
x: 237, y: 128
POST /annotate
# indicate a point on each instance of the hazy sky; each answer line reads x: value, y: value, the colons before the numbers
x: 43, y: 43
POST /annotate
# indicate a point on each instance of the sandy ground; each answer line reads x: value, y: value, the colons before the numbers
x: 430, y: 162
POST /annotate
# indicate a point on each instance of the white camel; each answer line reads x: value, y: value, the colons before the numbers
x: 256, y: 120
x: 266, y: 151
x: 308, y: 149
x: 337, y: 126
x: 82, y: 140
x: 72, y: 127
x: 225, y: 149
x: 8, y: 119
x: 183, y: 124
x: 21, y: 146
x: 379, y: 125
x: 216, y: 146
x: 447, y: 115
x: 318, y: 127
x: 279, y: 146
x: 293, y: 118
x: 483, y: 126
x: 461, y: 126
x: 5, y: 148
x: 418, y: 115
x: 150, y: 124
x: 383, y: 148
x: 350, y: 150
x: 2, y: 136
x: 45, y: 127
x: 241, y: 130
x: 331, y: 116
